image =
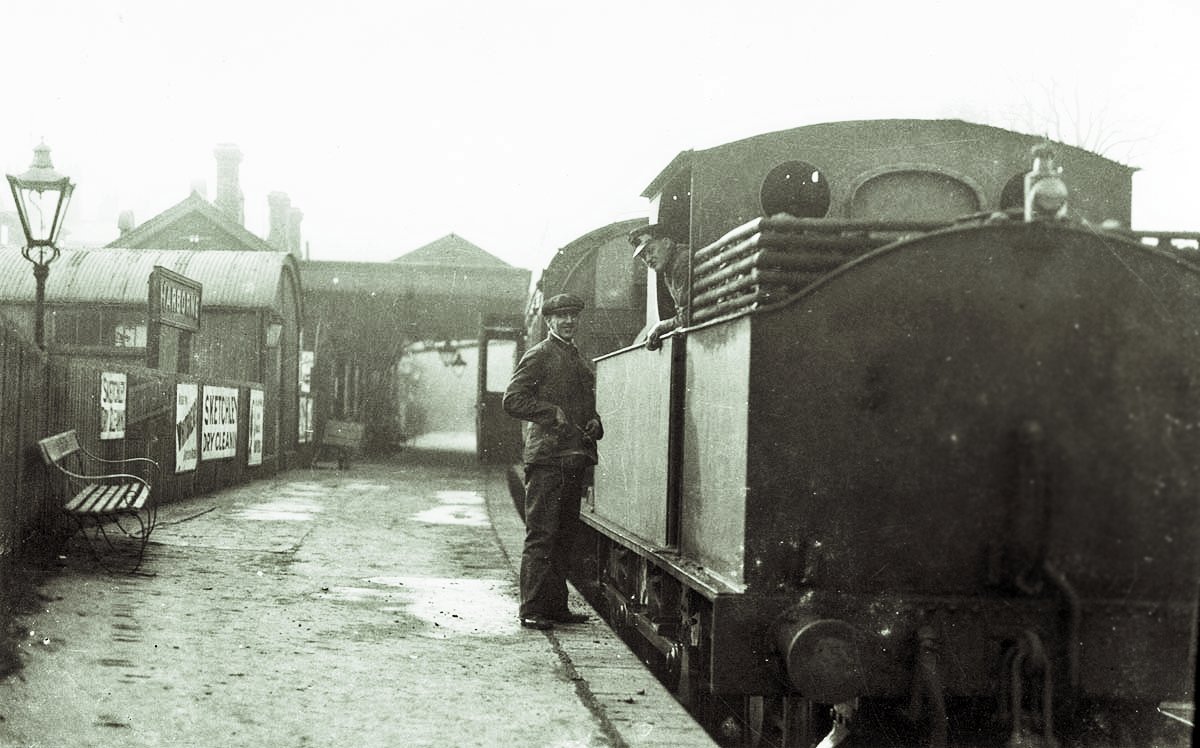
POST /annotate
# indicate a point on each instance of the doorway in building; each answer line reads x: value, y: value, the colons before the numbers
x: 497, y: 436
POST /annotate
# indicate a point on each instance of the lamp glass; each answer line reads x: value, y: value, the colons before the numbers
x: 41, y: 195
x: 41, y: 209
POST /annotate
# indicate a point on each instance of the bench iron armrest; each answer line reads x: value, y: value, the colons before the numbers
x: 98, y: 458
x: 107, y: 476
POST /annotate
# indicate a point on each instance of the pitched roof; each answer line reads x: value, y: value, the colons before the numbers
x: 451, y: 251
x: 219, y: 230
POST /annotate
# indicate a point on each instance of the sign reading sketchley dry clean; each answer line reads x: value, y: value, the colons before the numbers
x: 173, y: 315
x: 219, y: 427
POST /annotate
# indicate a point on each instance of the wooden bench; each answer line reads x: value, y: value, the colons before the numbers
x: 98, y: 493
x: 342, y: 438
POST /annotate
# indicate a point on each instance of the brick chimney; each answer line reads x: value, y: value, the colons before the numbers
x: 229, y: 191
x: 295, y: 216
x: 280, y: 206
x: 125, y: 222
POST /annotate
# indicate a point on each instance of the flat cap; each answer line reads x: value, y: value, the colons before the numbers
x: 563, y: 302
x: 641, y: 236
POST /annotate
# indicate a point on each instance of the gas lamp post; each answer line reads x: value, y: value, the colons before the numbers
x: 41, y: 195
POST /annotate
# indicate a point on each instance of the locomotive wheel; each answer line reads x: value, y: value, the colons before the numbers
x: 760, y: 721
x: 799, y: 722
x: 687, y: 682
x: 1128, y: 723
x: 781, y: 722
x: 753, y: 721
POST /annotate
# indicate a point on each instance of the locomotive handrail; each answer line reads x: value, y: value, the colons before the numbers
x: 1186, y: 235
x: 633, y: 346
x: 1166, y: 239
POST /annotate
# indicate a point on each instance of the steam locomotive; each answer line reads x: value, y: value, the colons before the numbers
x: 921, y: 467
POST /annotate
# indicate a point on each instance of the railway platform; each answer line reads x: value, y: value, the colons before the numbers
x: 374, y: 606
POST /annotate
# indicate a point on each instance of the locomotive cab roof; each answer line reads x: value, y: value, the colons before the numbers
x: 889, y: 169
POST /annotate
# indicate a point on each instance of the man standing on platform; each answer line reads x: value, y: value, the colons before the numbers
x: 553, y: 390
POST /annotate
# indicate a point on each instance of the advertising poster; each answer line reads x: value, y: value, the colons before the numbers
x: 306, y: 365
x: 185, y: 426
x: 254, y: 451
x: 112, y: 405
x: 219, y: 423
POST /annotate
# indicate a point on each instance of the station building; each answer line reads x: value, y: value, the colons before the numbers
x: 396, y: 344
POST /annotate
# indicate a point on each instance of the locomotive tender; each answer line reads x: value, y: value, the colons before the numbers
x: 926, y: 449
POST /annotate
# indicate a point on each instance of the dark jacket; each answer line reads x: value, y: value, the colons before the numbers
x: 675, y: 275
x: 552, y: 373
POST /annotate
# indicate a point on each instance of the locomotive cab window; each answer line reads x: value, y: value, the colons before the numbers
x: 797, y: 188
x: 919, y: 194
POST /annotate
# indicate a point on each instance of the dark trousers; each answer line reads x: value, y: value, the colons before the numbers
x: 552, y: 496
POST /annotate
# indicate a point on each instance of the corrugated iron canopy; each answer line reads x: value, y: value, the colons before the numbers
x: 119, y: 276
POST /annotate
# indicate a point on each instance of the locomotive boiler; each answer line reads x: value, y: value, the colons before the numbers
x: 924, y: 452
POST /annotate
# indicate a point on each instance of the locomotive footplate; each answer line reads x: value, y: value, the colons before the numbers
x: 668, y: 559
x: 742, y: 634
x: 737, y: 636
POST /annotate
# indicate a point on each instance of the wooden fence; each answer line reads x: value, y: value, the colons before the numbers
x: 41, y: 396
x: 24, y: 418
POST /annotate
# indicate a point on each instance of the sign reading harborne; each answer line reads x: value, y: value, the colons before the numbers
x: 174, y: 299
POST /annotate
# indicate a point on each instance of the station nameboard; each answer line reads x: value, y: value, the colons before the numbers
x: 174, y: 299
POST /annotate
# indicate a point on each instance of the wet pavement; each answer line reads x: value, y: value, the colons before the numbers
x: 374, y: 606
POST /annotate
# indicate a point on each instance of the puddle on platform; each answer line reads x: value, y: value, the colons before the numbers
x: 459, y: 497
x: 480, y: 607
x: 456, y: 508
x: 305, y: 488
x: 361, y: 486
x: 281, y: 511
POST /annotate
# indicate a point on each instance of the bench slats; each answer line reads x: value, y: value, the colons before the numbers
x: 108, y: 499
x: 86, y: 499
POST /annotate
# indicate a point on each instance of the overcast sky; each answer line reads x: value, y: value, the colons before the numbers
x: 522, y: 125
